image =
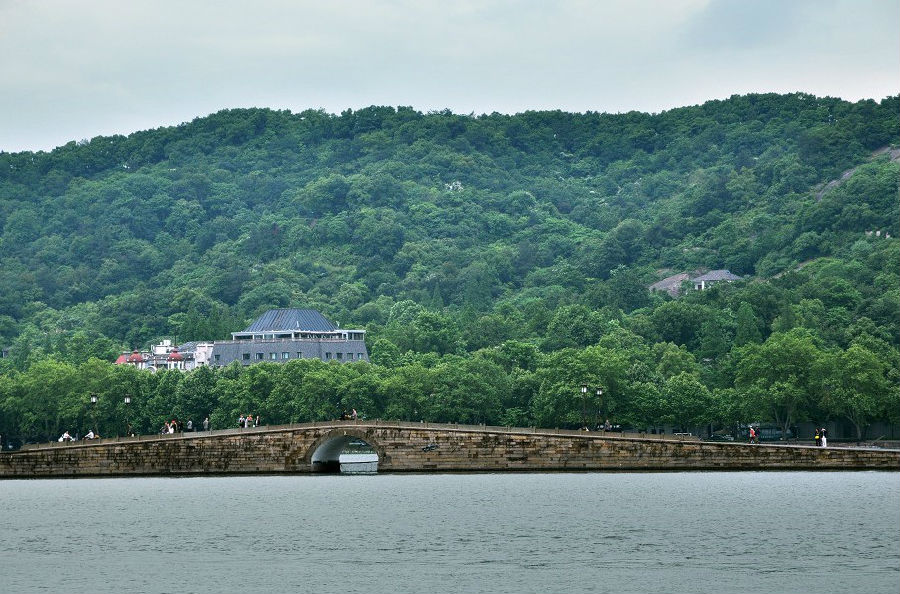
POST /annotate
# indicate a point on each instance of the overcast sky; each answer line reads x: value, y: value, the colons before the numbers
x: 74, y: 70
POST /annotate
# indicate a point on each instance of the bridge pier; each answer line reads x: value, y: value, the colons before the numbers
x: 327, y: 467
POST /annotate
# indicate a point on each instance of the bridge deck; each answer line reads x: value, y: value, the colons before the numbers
x: 413, y: 425
x: 419, y: 447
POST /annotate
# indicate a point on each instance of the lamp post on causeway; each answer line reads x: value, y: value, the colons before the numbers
x: 128, y: 431
x: 599, y: 396
x: 94, y: 412
x: 584, y: 391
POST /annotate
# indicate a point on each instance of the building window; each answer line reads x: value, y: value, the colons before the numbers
x: 327, y: 355
x: 285, y: 355
x: 340, y: 356
x: 259, y: 356
x: 216, y: 357
x: 359, y: 356
x: 273, y: 356
x: 245, y: 356
x: 299, y: 355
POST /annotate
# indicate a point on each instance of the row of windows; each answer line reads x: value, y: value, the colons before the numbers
x: 340, y: 356
x: 303, y: 335
x: 287, y: 355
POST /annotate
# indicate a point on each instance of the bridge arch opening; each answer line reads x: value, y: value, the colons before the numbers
x: 345, y: 452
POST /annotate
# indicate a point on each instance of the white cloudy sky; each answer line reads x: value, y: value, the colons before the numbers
x: 72, y: 70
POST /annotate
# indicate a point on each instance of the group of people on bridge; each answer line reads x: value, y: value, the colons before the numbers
x: 175, y: 426
x: 66, y: 436
x: 606, y: 427
x: 248, y: 421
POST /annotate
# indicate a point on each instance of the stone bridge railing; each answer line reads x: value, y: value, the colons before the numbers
x: 418, y: 447
x: 366, y: 423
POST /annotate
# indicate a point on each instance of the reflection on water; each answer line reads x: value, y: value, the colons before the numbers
x: 359, y: 463
x: 591, y: 532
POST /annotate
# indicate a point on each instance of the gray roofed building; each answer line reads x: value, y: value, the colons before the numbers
x: 291, y: 319
x: 284, y: 334
x: 712, y: 277
x: 671, y: 284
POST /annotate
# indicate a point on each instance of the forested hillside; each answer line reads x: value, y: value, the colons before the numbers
x: 498, y: 262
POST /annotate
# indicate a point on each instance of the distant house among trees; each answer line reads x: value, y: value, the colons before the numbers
x: 704, y: 281
x: 673, y: 284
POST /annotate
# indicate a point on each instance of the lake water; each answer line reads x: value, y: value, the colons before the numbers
x: 589, y: 532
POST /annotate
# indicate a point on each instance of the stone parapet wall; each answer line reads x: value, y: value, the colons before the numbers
x: 497, y: 451
x: 414, y: 447
x: 210, y: 453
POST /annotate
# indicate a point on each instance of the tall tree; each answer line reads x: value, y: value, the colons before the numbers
x: 747, y: 330
x: 778, y: 377
x: 855, y: 386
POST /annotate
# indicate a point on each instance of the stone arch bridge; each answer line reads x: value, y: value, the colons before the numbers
x: 418, y: 447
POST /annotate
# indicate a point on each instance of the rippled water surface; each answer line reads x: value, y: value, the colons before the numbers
x: 593, y: 532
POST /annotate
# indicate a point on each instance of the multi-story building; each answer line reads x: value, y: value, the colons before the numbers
x: 279, y: 335
x: 285, y: 334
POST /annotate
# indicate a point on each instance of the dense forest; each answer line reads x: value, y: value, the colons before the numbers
x: 497, y: 262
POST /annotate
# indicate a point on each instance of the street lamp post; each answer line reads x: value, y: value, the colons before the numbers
x: 128, y: 431
x: 94, y: 412
x: 584, y: 390
x: 599, y: 395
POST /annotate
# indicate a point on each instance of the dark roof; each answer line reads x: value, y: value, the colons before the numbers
x: 670, y: 282
x: 718, y: 275
x: 291, y: 319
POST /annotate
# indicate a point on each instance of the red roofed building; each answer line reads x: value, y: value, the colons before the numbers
x: 175, y: 360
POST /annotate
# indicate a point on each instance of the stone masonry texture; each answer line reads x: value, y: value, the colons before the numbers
x: 421, y: 447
